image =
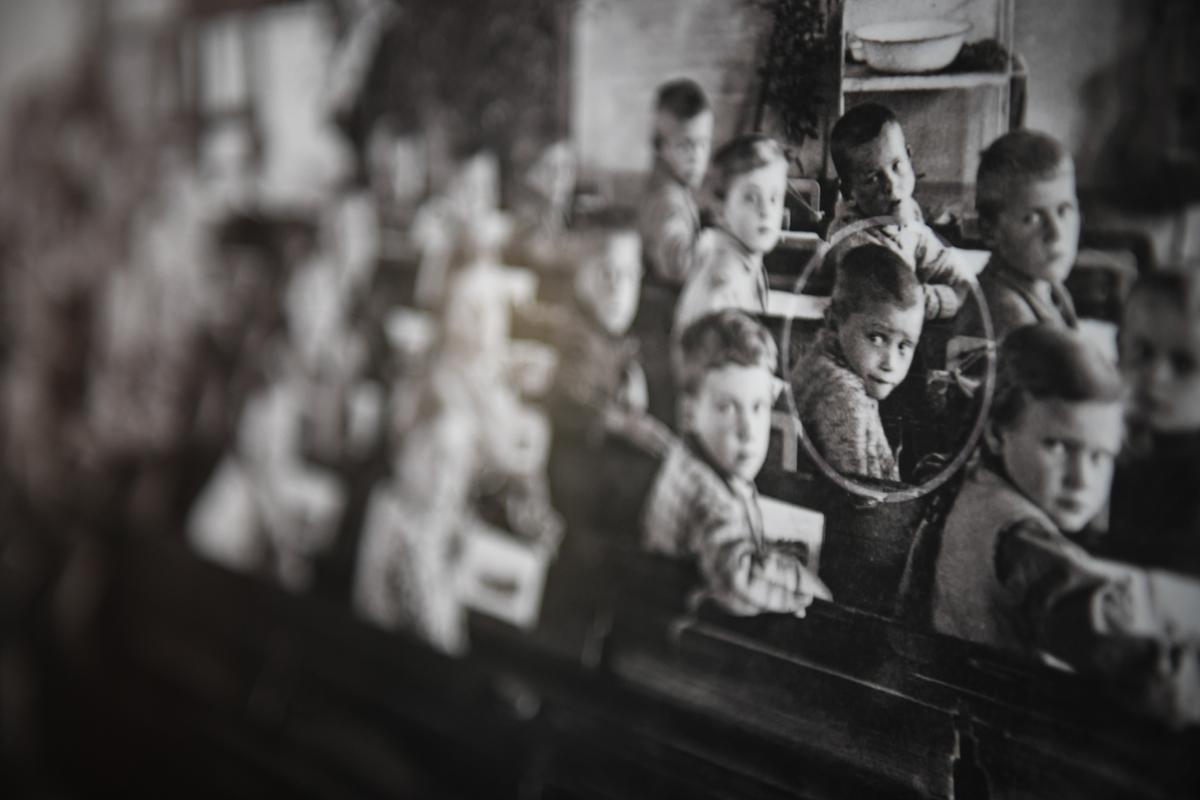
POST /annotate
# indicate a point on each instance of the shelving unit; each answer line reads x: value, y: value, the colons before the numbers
x: 948, y: 117
x: 860, y: 78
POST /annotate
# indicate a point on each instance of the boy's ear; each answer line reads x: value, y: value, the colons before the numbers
x: 992, y: 438
x: 829, y: 318
x: 687, y: 413
x: 987, y: 230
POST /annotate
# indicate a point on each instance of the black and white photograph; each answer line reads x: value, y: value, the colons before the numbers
x: 581, y: 399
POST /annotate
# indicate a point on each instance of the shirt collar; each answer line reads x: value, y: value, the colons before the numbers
x: 662, y: 173
x: 697, y: 447
x: 847, y: 210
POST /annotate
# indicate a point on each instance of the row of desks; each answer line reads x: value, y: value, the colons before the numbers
x: 220, y: 683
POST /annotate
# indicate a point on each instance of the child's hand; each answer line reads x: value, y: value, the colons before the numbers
x: 639, y: 428
x: 790, y: 587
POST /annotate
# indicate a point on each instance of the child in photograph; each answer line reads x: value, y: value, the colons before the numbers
x: 703, y: 503
x: 877, y: 206
x: 1029, y: 218
x: 1013, y: 572
x: 541, y: 203
x: 749, y: 184
x: 266, y: 509
x: 1156, y: 508
x: 668, y: 216
x: 605, y: 443
x: 599, y: 386
x: 864, y: 351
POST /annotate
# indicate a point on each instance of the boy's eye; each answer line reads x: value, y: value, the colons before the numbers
x: 1183, y: 363
x: 1140, y: 352
x: 1054, y: 445
x: 905, y: 347
x: 876, y: 338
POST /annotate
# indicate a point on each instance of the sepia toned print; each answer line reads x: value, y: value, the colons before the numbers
x: 589, y: 398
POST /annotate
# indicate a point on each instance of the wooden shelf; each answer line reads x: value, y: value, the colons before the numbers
x: 860, y: 78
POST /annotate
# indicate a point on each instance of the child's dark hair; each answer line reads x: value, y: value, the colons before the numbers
x: 1179, y: 286
x: 1016, y: 157
x: 591, y: 240
x: 1050, y: 362
x: 741, y: 155
x: 719, y: 339
x: 872, y: 275
x: 682, y: 98
x: 855, y: 128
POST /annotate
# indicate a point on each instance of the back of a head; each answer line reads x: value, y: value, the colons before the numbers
x: 593, y: 235
x: 1016, y: 158
x: 1051, y: 362
x: 595, y: 243
x: 870, y: 276
x: 1178, y: 286
x: 723, y: 338
x: 855, y: 128
x: 743, y: 154
x: 682, y: 98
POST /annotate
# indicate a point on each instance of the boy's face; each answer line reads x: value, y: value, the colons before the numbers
x: 1037, y: 230
x: 1060, y: 455
x: 753, y: 206
x: 1160, y: 356
x: 553, y: 174
x: 731, y: 415
x: 881, y: 175
x: 684, y: 145
x: 879, y: 344
x: 610, y: 283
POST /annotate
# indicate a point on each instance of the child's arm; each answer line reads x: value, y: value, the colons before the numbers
x: 1064, y: 604
x: 639, y: 428
x: 746, y: 579
x: 670, y: 235
x: 1072, y: 609
x: 850, y: 436
x: 945, y: 279
x: 690, y: 511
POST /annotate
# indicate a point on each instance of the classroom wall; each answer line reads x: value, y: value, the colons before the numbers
x: 623, y: 50
x: 37, y: 39
x: 1072, y: 49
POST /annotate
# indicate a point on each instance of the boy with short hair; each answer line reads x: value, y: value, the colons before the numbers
x: 1012, y: 572
x: 1029, y: 218
x: 877, y: 206
x: 1156, y: 509
x: 545, y: 165
x: 703, y: 502
x: 668, y: 216
x: 599, y: 386
x: 871, y: 331
x: 750, y: 181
